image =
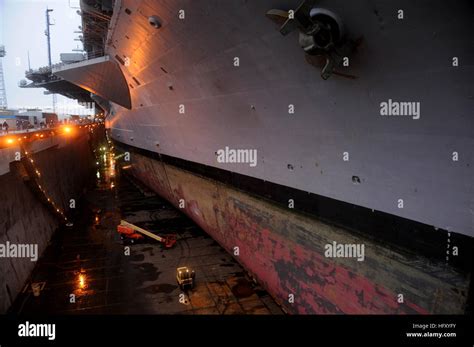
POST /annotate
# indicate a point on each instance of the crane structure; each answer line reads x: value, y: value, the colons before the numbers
x: 3, y: 92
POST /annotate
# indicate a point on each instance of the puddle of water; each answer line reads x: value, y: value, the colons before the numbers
x: 138, y: 257
x: 243, y: 289
x: 148, y: 272
x: 160, y: 288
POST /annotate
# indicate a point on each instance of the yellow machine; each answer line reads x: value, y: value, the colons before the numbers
x: 185, y: 277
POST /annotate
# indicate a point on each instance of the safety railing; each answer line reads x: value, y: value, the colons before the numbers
x: 48, y: 69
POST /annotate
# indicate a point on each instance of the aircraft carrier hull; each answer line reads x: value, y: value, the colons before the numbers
x: 284, y: 251
x: 378, y: 153
x: 189, y: 100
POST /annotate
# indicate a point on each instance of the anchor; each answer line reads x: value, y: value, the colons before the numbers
x: 321, y: 33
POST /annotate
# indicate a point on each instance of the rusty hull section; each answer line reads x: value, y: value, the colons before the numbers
x: 284, y: 251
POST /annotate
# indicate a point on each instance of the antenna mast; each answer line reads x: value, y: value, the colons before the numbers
x: 48, y: 38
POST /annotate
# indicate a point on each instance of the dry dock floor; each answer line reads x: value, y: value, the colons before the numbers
x: 85, y: 269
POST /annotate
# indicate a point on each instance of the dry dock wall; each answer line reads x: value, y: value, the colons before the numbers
x: 64, y: 165
x: 285, y: 251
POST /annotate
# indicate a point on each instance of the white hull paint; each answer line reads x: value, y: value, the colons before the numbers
x: 190, y: 62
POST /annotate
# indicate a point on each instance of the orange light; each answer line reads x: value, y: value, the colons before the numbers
x: 9, y: 141
x: 82, y: 281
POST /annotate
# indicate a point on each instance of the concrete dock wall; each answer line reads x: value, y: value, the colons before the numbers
x: 64, y: 165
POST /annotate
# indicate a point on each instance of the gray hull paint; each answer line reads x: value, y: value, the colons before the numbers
x: 190, y: 62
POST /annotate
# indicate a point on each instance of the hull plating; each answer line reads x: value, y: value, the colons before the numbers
x: 190, y: 62
x: 284, y: 251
